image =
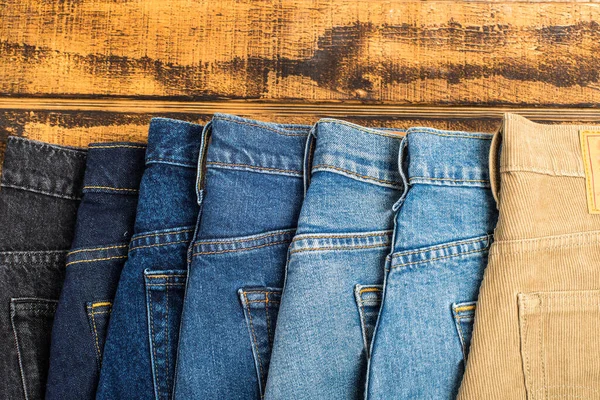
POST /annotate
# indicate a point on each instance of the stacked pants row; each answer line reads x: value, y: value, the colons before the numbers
x: 251, y: 260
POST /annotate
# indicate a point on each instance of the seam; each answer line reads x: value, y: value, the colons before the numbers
x: 255, y: 340
x: 338, y: 247
x: 102, y: 304
x: 462, y: 340
x: 97, y: 248
x: 349, y: 236
x: 241, y: 249
x: 355, y: 174
x: 158, y: 245
x: 171, y: 161
x: 550, y: 172
x: 166, y: 284
x: 52, y: 194
x: 450, y: 179
x: 439, y: 258
x: 152, y: 344
x: 19, y: 356
x: 111, y: 188
x: 167, y: 330
x: 254, y: 167
x: 94, y: 260
x: 441, y: 247
x: 420, y: 130
x: 371, y: 289
x: 265, y: 127
x: 93, y: 318
x: 245, y: 240
x: 162, y: 234
x: 117, y: 147
x: 464, y: 308
x: 166, y: 276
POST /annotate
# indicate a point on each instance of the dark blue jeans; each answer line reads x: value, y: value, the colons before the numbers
x: 139, y: 354
x: 39, y: 195
x: 104, y: 227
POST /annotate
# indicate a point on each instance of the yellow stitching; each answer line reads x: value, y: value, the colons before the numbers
x: 97, y: 249
x: 240, y: 249
x: 158, y: 245
x: 337, y: 247
x: 167, y: 328
x: 98, y: 353
x: 440, y: 247
x: 439, y: 258
x: 351, y: 236
x: 118, y: 147
x: 111, y: 188
x: 166, y: 276
x: 287, y: 232
x: 149, y: 300
x: 253, y: 167
x: 162, y: 234
x: 166, y: 284
x: 464, y: 308
x: 101, y: 304
x: 449, y: 179
x: 371, y: 289
x: 96, y: 259
x: 356, y: 174
x: 266, y: 127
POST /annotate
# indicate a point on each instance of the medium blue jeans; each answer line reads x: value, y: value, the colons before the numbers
x: 141, y: 343
x: 104, y: 226
x: 444, y: 226
x: 336, y: 264
x: 250, y: 201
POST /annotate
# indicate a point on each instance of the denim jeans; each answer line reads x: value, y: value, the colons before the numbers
x: 444, y: 226
x: 104, y: 226
x: 39, y: 194
x: 141, y: 343
x: 336, y: 264
x: 250, y: 204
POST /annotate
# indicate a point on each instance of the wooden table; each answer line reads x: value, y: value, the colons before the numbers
x: 76, y: 71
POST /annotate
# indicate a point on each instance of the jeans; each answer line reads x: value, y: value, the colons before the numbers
x: 443, y: 232
x: 250, y: 204
x: 538, y: 314
x: 104, y: 226
x: 141, y: 343
x: 336, y: 263
x: 39, y: 195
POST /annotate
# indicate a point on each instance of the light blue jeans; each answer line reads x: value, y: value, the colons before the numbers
x: 336, y: 264
x: 250, y: 200
x: 444, y: 226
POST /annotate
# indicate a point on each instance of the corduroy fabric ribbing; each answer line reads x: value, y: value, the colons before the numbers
x: 538, y: 314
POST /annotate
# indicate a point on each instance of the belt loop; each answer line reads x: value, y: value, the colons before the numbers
x: 403, y: 169
x: 494, y: 162
x: 309, y: 152
x: 201, y: 170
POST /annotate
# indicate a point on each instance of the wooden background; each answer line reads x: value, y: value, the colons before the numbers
x: 76, y: 71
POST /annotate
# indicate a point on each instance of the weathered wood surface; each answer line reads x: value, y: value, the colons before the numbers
x: 395, y: 52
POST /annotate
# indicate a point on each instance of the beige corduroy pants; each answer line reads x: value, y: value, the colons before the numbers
x: 537, y: 324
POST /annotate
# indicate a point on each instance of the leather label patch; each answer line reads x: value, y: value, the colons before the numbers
x: 590, y: 149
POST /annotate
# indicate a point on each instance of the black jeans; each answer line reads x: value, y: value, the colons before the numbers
x: 39, y: 195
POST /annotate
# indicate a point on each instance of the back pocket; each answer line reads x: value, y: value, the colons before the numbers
x: 560, y: 344
x: 31, y: 320
x: 368, y: 300
x: 164, y: 302
x: 463, y: 314
x: 261, y: 306
x: 98, y: 313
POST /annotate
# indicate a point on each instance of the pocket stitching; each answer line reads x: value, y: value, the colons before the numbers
x: 255, y: 340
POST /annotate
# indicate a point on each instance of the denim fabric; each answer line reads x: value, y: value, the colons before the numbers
x: 139, y: 354
x: 250, y: 204
x: 336, y: 264
x: 39, y: 194
x: 444, y: 228
x: 104, y: 226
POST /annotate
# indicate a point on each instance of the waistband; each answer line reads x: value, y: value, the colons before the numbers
x: 365, y: 154
x: 542, y: 148
x: 43, y: 168
x: 239, y: 143
x: 449, y: 158
x: 114, y: 168
x: 173, y: 142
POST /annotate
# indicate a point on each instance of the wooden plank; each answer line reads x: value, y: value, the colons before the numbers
x: 398, y: 51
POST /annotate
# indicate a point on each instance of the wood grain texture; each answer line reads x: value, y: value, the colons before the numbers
x: 397, y: 51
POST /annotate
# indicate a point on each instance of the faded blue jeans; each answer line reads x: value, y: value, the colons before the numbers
x: 139, y: 354
x: 336, y: 264
x: 104, y: 226
x: 444, y: 226
x: 250, y: 197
